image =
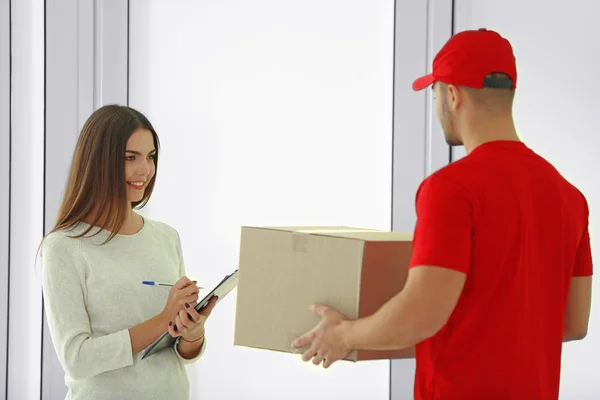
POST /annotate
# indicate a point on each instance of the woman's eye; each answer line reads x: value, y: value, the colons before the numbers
x: 130, y: 158
x: 152, y: 156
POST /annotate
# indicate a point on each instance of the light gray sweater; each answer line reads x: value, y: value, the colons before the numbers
x: 93, y: 294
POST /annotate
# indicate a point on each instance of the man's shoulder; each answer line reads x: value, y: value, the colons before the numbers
x: 449, y: 177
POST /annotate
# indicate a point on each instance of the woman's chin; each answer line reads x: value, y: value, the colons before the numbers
x: 135, y: 199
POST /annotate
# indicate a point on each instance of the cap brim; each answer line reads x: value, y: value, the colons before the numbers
x: 423, y: 82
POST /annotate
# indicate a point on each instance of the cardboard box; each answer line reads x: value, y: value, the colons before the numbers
x: 283, y: 270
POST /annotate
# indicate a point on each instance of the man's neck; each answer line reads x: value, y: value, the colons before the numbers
x: 488, y: 130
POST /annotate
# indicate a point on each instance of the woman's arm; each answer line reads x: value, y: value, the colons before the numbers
x: 190, y: 331
x: 189, y: 353
x: 144, y: 334
x: 81, y: 355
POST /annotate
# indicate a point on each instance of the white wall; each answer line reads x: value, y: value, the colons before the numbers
x: 556, y: 111
x: 419, y: 148
x: 86, y: 45
x: 27, y: 193
x: 269, y: 112
x: 4, y: 181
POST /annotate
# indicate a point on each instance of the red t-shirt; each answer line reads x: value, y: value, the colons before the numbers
x: 507, y: 219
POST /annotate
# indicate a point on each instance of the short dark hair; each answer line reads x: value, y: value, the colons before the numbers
x: 497, y: 97
x: 497, y: 80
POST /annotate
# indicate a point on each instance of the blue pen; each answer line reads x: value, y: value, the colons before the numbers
x: 153, y: 283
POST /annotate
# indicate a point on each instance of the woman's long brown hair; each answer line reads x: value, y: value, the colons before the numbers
x: 96, y: 187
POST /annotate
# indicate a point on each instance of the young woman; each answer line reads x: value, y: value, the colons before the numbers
x: 94, y: 261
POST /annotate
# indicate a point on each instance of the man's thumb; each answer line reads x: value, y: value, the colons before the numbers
x: 319, y: 309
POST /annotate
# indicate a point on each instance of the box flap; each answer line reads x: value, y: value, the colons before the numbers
x: 310, y: 229
x: 371, y: 235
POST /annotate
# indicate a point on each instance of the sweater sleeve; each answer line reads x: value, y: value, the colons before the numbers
x: 185, y: 361
x: 81, y: 355
x: 183, y: 272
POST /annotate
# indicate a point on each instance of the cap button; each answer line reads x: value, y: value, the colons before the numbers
x: 482, y: 29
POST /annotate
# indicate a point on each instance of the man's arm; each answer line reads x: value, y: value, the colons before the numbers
x: 579, y: 300
x: 577, y: 313
x: 417, y: 313
x: 438, y: 271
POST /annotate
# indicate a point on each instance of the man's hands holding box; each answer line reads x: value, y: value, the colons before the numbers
x: 328, y: 339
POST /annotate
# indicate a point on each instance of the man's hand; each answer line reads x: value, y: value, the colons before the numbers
x: 328, y: 338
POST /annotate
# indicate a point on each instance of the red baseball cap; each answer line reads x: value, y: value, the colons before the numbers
x: 468, y: 57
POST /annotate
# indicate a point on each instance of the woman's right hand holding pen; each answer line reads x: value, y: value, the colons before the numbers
x: 183, y: 292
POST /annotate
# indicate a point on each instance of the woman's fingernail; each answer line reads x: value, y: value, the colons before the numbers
x: 187, y: 305
x: 170, y: 323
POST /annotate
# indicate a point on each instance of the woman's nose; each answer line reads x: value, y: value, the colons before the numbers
x: 144, y: 168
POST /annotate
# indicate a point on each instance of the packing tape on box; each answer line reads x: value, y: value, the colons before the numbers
x: 336, y: 230
x: 300, y: 238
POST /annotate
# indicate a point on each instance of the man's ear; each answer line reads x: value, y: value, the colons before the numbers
x: 455, y: 97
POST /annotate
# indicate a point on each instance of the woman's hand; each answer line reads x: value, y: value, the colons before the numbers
x: 183, y: 292
x: 189, y: 323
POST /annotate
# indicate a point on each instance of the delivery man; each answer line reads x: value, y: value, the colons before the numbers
x: 500, y: 274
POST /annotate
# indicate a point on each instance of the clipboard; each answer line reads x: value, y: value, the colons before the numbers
x: 221, y: 290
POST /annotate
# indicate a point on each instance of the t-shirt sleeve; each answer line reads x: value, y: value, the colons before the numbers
x: 444, y: 228
x: 583, y: 258
x: 81, y: 355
